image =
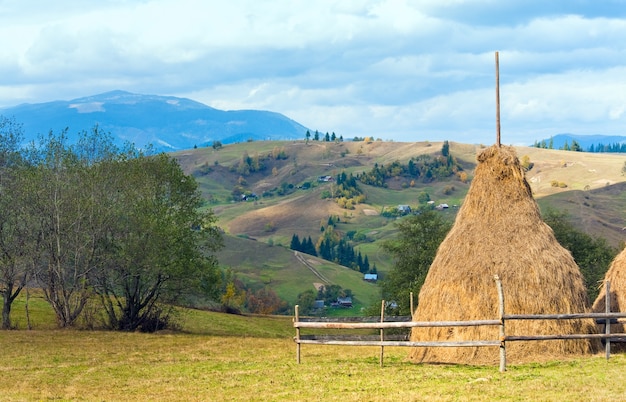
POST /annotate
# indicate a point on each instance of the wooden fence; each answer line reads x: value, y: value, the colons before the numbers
x: 383, y: 323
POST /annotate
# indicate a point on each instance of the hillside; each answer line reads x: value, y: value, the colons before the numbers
x: 590, y: 187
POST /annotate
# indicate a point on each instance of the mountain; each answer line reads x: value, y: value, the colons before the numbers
x: 585, y: 141
x: 168, y: 123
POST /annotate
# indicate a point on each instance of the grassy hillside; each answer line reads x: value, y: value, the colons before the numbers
x: 289, y: 273
x: 590, y: 187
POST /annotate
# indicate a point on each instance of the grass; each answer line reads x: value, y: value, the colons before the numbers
x: 220, y: 357
x: 231, y: 358
x: 277, y: 267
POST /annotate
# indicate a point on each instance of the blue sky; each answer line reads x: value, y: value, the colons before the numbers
x: 396, y: 70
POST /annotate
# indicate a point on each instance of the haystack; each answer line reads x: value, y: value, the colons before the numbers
x: 499, y: 230
x: 616, y: 275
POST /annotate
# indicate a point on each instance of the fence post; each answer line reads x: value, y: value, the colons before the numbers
x: 502, y: 328
x: 412, y: 311
x: 382, y: 332
x: 607, y: 322
x: 296, y: 319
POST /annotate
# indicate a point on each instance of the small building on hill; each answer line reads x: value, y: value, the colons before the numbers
x: 404, y: 209
x: 370, y: 277
x: 344, y: 302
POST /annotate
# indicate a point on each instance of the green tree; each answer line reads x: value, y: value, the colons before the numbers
x: 593, y: 255
x: 413, y: 251
x: 160, y: 244
x: 445, y: 149
x: 306, y: 302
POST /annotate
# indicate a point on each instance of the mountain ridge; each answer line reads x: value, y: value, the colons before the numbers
x: 169, y: 123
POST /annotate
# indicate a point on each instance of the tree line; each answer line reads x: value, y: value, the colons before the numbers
x: 93, y: 223
x: 616, y: 147
x: 333, y: 246
x: 425, y: 168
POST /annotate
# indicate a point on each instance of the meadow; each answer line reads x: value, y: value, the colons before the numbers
x: 219, y: 357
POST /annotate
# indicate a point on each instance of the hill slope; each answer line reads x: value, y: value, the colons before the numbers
x: 557, y: 178
x: 590, y: 187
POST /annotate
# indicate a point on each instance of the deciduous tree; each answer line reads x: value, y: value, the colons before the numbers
x: 413, y: 251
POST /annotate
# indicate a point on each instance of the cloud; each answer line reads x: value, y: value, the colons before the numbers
x: 389, y: 69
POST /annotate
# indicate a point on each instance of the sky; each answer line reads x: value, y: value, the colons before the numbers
x: 396, y: 70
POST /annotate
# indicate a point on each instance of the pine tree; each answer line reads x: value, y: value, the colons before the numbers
x: 295, y: 243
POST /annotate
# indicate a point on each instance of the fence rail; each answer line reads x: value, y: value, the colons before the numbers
x: 382, y: 323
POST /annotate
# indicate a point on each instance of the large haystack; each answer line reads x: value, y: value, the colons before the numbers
x: 616, y: 275
x: 499, y: 230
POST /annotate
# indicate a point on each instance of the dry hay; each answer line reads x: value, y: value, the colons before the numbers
x: 616, y: 275
x: 499, y: 230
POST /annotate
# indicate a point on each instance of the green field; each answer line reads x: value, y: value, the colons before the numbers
x: 219, y: 357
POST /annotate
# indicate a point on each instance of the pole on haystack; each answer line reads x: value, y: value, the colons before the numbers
x: 497, y: 100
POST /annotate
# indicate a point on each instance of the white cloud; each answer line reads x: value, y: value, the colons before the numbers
x: 390, y: 69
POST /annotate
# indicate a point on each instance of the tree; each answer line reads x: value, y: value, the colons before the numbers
x: 306, y: 302
x: 265, y: 301
x: 592, y: 254
x: 59, y: 194
x: 295, y: 243
x: 413, y: 252
x: 160, y: 244
x: 233, y: 298
x: 445, y: 149
x: 308, y: 136
x: 15, y: 239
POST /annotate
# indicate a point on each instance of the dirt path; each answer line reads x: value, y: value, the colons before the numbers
x: 303, y: 260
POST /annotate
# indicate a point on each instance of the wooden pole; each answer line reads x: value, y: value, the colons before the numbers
x: 382, y: 332
x: 296, y: 319
x: 497, y: 100
x: 412, y: 311
x: 607, y: 323
x: 502, y: 329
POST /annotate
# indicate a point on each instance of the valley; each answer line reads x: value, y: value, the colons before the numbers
x: 285, y: 197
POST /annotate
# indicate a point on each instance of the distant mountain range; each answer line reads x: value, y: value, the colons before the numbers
x: 170, y: 123
x: 167, y: 122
